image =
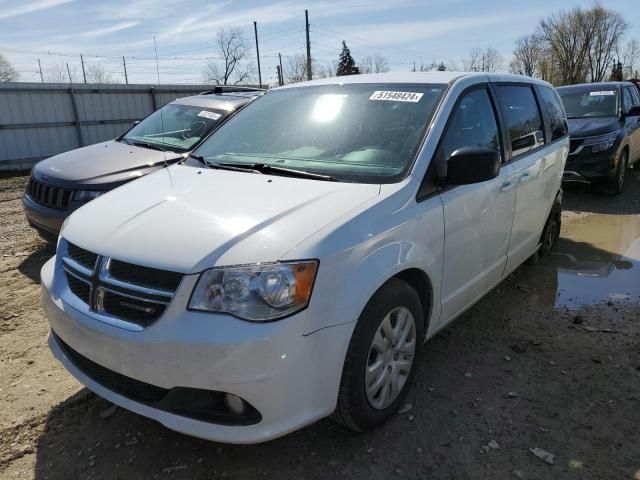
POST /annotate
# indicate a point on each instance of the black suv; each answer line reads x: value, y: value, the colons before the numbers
x: 604, y: 125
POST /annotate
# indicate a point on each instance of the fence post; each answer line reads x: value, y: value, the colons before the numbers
x: 154, y: 101
x: 76, y: 116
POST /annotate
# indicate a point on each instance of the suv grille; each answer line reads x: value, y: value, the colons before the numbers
x: 112, y: 288
x: 48, y: 195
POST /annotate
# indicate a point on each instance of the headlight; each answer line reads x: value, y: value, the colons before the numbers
x: 601, y: 142
x: 256, y: 292
x: 87, y: 195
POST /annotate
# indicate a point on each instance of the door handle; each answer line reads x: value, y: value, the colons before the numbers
x: 506, y: 186
x: 524, y: 177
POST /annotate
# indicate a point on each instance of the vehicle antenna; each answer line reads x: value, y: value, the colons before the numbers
x: 155, y: 48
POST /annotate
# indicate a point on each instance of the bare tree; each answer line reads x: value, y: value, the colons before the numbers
x: 526, y: 56
x: 97, y: 74
x: 608, y: 28
x: 232, y: 50
x: 7, y: 72
x: 629, y: 57
x: 483, y: 60
x: 295, y: 68
x: 57, y: 73
x: 567, y: 38
x: 374, y: 64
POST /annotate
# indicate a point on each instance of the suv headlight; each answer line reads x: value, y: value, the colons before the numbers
x: 601, y: 143
x: 87, y: 195
x: 257, y: 293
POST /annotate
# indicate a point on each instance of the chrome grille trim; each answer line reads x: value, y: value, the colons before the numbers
x: 108, y: 296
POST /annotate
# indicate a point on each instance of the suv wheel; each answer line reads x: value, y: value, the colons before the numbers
x: 618, y: 182
x: 381, y: 359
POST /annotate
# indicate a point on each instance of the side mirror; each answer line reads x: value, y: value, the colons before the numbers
x: 468, y: 165
x: 135, y: 123
x: 633, y: 111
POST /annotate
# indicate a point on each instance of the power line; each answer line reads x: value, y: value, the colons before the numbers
x: 342, y: 35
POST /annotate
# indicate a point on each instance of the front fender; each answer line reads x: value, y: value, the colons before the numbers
x: 395, y: 235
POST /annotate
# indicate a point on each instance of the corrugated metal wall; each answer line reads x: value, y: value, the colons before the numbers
x: 38, y: 120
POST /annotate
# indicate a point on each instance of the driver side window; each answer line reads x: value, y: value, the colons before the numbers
x: 472, y: 124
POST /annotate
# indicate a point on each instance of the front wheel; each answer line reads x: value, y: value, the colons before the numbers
x: 618, y: 182
x: 381, y: 359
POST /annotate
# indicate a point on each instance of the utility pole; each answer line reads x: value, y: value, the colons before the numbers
x: 124, y: 64
x: 281, y: 70
x: 84, y: 75
x: 255, y: 31
x: 306, y: 20
x: 69, y: 73
x: 279, y: 73
x: 40, y: 68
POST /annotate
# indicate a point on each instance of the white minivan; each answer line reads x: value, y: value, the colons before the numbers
x: 294, y: 266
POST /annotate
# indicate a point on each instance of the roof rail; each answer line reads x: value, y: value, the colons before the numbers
x: 230, y: 89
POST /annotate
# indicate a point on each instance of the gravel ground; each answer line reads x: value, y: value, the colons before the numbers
x: 540, y: 380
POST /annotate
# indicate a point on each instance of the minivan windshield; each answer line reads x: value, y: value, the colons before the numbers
x: 590, y: 101
x: 366, y: 133
x: 174, y: 127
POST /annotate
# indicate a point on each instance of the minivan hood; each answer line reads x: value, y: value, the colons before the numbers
x: 589, y: 127
x: 188, y: 219
x: 100, y: 164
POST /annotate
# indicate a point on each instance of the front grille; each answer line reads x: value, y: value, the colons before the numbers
x: 196, y: 403
x: 83, y: 257
x: 79, y: 288
x: 140, y: 312
x: 111, y: 288
x: 148, y: 277
x: 574, y: 144
x: 49, y: 195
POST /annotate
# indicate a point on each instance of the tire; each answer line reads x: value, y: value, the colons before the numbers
x: 551, y: 231
x: 617, y: 184
x: 358, y: 407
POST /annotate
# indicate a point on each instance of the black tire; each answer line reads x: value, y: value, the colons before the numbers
x: 617, y: 184
x: 353, y: 408
x: 551, y: 231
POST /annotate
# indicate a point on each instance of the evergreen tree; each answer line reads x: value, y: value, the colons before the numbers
x: 616, y: 72
x: 346, y: 63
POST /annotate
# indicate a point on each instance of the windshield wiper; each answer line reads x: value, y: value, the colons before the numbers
x: 288, y: 172
x: 224, y: 166
x: 147, y: 145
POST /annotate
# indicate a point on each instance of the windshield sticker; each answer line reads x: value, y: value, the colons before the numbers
x: 396, y: 96
x: 602, y: 93
x: 210, y: 115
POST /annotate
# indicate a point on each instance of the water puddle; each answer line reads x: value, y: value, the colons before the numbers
x: 597, y: 260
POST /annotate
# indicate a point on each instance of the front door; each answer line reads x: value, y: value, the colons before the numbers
x: 477, y: 217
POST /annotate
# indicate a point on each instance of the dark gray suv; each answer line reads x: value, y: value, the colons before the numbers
x: 61, y: 184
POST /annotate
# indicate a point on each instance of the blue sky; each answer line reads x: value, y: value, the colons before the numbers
x: 403, y: 31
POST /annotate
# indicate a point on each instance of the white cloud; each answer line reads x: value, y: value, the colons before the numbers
x: 103, y: 32
x: 29, y: 7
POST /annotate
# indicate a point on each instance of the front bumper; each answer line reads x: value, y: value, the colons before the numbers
x: 290, y: 378
x: 585, y: 166
x: 47, y: 221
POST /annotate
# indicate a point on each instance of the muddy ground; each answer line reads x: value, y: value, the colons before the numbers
x: 549, y: 360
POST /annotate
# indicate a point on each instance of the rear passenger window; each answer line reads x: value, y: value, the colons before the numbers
x: 552, y: 105
x: 522, y: 116
x: 472, y: 124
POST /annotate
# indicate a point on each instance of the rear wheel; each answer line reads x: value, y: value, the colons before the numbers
x: 381, y: 359
x: 550, y: 233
